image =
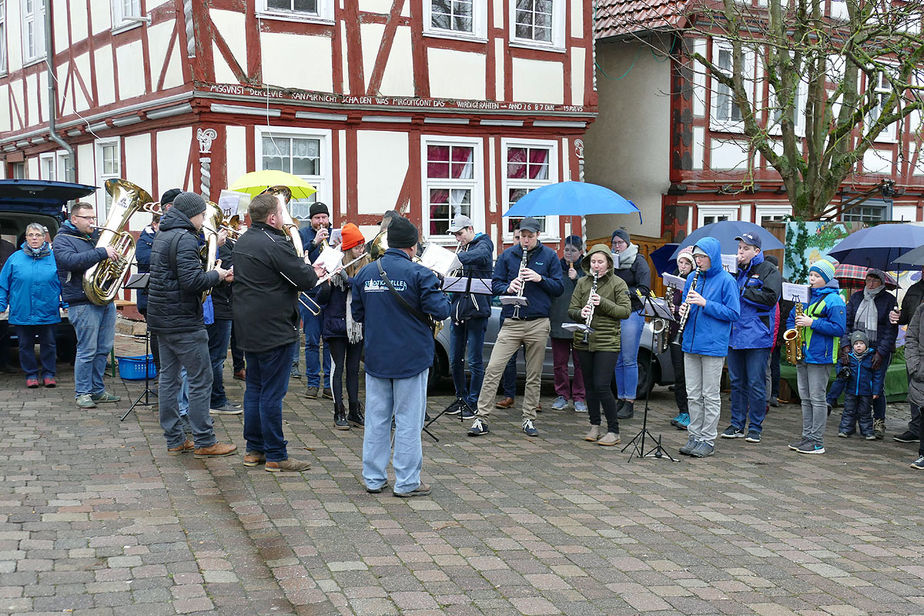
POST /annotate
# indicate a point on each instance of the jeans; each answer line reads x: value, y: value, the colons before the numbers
x: 513, y: 334
x: 219, y: 334
x: 680, y: 385
x: 189, y: 351
x: 267, y: 385
x: 813, y: 379
x: 467, y: 336
x: 773, y: 374
x: 626, y: 372
x: 562, y: 350
x: 95, y: 329
x: 856, y: 411
x: 598, y: 366
x: 345, y: 356
x: 237, y: 355
x: 405, y: 400
x: 747, y: 371
x: 312, y: 325
x: 47, y: 353
x: 704, y: 376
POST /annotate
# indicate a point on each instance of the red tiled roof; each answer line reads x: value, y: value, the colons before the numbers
x: 617, y: 17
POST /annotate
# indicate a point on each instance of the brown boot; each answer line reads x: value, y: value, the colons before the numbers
x: 609, y: 439
x: 505, y: 403
x: 218, y: 449
x: 593, y: 434
x: 185, y: 447
x: 289, y: 465
x: 254, y: 458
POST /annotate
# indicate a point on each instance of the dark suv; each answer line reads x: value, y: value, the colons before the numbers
x: 42, y: 201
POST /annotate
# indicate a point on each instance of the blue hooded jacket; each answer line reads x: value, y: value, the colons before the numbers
x: 759, y: 287
x: 827, y: 308
x: 541, y: 260
x: 30, y: 287
x: 864, y: 381
x: 708, y: 327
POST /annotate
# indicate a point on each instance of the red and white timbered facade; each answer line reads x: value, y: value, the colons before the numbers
x: 431, y: 107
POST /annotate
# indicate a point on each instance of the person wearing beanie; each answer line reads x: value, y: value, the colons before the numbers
x: 633, y: 269
x: 868, y: 311
x: 862, y: 385
x: 569, y: 390
x: 470, y: 312
x: 759, y: 287
x: 175, y: 289
x: 530, y: 270
x: 685, y: 265
x: 397, y: 301
x: 167, y: 198
x: 342, y: 335
x: 822, y: 323
x: 313, y: 238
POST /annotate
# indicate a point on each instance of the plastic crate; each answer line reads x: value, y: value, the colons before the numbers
x: 132, y: 368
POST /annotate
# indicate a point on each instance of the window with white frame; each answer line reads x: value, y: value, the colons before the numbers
x: 452, y: 183
x: 724, y: 108
x: 529, y: 164
x: 18, y: 171
x: 771, y: 213
x: 880, y: 89
x: 33, y: 30
x: 538, y: 22
x: 871, y: 210
x: 708, y: 214
x: 463, y: 18
x: 63, y: 162
x: 800, y: 95
x: 108, y: 166
x: 123, y: 10
x: 297, y: 9
x: 304, y: 153
x: 2, y: 37
x: 47, y: 169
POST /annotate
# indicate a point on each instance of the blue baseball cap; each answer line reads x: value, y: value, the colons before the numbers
x: 751, y: 239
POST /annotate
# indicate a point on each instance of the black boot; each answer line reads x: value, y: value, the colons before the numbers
x: 340, y: 419
x: 626, y: 410
x: 356, y: 416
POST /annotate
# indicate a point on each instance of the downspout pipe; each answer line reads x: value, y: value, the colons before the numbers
x: 70, y: 174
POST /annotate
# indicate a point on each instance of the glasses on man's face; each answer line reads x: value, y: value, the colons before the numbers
x: 35, y: 235
x: 86, y: 217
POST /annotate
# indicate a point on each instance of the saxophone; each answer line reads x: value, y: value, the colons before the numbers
x: 590, y: 316
x: 793, y: 338
x: 685, y: 311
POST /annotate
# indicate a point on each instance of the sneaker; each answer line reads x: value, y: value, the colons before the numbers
x: 674, y: 419
x: 774, y: 402
x: 702, y: 450
x: 802, y: 442
x: 683, y: 420
x: 753, y: 436
x: 240, y: 375
x: 228, y: 408
x: 466, y: 411
x: 478, y: 428
x: 560, y: 404
x: 289, y: 465
x: 455, y: 408
x: 294, y: 373
x: 421, y: 490
x: 218, y: 449
x: 311, y: 392
x: 625, y: 410
x: 580, y: 406
x: 732, y: 432
x: 377, y: 490
x: 50, y: 381
x: 609, y: 439
x: 327, y: 393
x: 85, y: 401
x: 845, y: 435
x: 918, y: 464
x: 689, y: 447
x: 906, y: 437
x: 254, y: 458
x: 870, y: 437
x: 879, y: 428
x: 529, y: 429
x: 105, y: 396
x: 32, y: 382
x: 830, y: 408
x: 179, y: 449
x: 810, y: 447
x: 593, y: 435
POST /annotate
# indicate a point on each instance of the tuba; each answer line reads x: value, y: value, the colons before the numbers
x: 289, y: 226
x: 101, y: 282
x: 214, y: 220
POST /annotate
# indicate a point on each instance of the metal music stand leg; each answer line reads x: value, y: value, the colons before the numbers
x: 147, y: 389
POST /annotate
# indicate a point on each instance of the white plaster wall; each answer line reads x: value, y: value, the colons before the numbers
x: 13, y: 37
x: 699, y: 146
x: 729, y: 154
x: 398, y: 78
x: 627, y: 148
x: 105, y: 83
x: 223, y: 72
x: 577, y: 18
x: 371, y: 35
x: 537, y: 81
x: 457, y: 74
x: 172, y: 156
x: 345, y: 63
x: 235, y: 151
x: 919, y: 164
x: 283, y: 64
x: 158, y: 39
x: 381, y: 164
x: 32, y: 167
x: 137, y: 149
x: 877, y: 161
x: 153, y: 4
x: 5, y: 123
x: 578, y: 74
x: 375, y: 6
x: 59, y: 26
x: 131, y: 74
x: 31, y: 112
x: 100, y: 16
x: 906, y: 213
x: 499, y: 69
x: 41, y: 114
x: 82, y: 62
x: 86, y: 167
x: 231, y: 26
x: 17, y: 102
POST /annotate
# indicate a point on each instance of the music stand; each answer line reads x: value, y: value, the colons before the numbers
x: 139, y: 282
x: 650, y: 309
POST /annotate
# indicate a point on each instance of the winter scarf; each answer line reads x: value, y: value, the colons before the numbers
x: 867, y: 318
x: 37, y: 253
x: 626, y: 258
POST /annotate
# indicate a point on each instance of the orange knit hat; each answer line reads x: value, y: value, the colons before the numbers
x: 351, y: 236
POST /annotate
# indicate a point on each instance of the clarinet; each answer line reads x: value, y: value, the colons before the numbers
x: 590, y: 317
x: 516, y: 309
x: 685, y: 310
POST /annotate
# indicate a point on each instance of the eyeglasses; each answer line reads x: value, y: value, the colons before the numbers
x: 85, y: 217
x: 35, y: 235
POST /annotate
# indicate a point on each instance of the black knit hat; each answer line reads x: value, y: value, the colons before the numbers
x: 169, y: 196
x: 318, y: 208
x: 189, y: 203
x: 401, y: 233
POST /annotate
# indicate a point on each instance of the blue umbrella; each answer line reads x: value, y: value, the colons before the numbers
x: 662, y: 259
x: 572, y: 199
x: 878, y: 246
x: 726, y: 231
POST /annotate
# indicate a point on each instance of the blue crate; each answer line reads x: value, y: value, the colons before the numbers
x: 132, y: 368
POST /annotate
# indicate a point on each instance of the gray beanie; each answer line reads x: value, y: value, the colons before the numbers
x: 622, y: 234
x: 189, y: 203
x: 859, y: 335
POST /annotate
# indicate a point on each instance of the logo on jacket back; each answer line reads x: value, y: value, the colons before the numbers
x: 376, y: 286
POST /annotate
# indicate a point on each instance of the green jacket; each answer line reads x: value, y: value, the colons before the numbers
x: 614, y: 306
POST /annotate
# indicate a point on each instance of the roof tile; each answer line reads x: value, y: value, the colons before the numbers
x: 617, y: 17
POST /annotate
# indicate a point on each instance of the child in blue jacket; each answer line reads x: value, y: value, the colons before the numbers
x: 861, y: 387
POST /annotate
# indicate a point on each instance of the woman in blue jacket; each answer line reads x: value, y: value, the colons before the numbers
x: 29, y: 286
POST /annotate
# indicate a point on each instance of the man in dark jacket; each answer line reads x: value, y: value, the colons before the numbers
x: 219, y: 331
x: 313, y: 237
x: 75, y: 252
x: 759, y: 287
x: 399, y: 350
x: 470, y: 312
x: 913, y: 298
x: 269, y: 275
x: 533, y: 271
x: 175, y: 314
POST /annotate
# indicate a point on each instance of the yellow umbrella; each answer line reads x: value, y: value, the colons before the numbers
x: 255, y: 182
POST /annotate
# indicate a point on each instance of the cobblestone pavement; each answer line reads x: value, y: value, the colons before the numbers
x: 95, y: 518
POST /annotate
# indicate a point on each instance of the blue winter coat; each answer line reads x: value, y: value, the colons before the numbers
x: 820, y: 340
x: 143, y: 259
x: 308, y: 234
x: 759, y: 287
x: 29, y: 286
x: 397, y: 344
x: 708, y: 327
x: 864, y: 381
x: 476, y: 258
x: 75, y: 253
x: 541, y: 260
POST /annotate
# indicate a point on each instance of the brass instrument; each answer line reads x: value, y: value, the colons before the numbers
x: 289, y: 226
x: 659, y: 340
x: 793, y: 338
x: 685, y: 310
x: 210, y: 228
x: 101, y: 282
x: 521, y: 300
x: 590, y: 304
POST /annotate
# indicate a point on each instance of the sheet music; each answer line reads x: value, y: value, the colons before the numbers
x: 330, y: 258
x: 730, y: 263
x: 674, y: 282
x: 229, y: 202
x: 795, y: 291
x: 464, y: 284
x: 439, y: 259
